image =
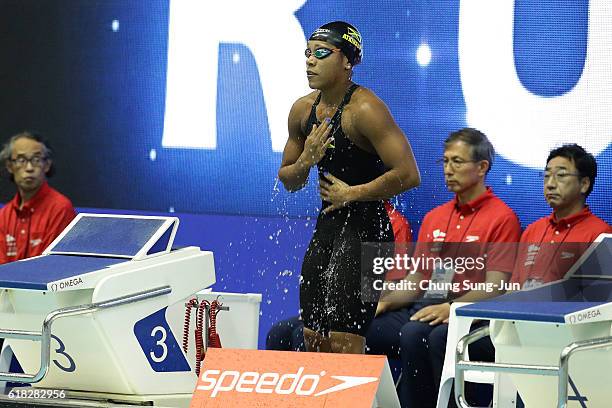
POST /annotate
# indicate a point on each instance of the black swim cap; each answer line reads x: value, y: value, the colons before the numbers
x: 342, y: 35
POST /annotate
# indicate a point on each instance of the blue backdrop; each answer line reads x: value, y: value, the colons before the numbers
x: 94, y: 76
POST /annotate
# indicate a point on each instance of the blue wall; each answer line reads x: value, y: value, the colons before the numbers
x: 92, y: 76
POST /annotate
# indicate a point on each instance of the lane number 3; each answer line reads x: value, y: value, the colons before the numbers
x: 161, y: 343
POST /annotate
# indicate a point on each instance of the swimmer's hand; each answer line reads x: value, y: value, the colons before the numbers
x: 334, y: 191
x: 316, y: 143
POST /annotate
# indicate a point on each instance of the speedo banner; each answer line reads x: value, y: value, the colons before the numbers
x: 253, y: 378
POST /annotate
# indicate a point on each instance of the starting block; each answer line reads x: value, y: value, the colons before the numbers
x: 555, y: 340
x: 100, y: 313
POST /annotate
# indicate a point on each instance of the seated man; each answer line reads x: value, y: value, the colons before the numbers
x: 552, y: 244
x: 38, y: 213
x: 416, y: 332
x: 288, y: 335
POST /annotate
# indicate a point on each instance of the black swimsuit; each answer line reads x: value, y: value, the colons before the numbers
x: 330, y: 284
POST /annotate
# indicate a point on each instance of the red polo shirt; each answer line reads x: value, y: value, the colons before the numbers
x: 402, y: 234
x: 549, y: 247
x: 482, y: 221
x: 399, y: 223
x: 26, y: 232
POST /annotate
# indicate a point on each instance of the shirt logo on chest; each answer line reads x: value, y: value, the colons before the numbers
x: 35, y: 242
x: 438, y: 236
x: 472, y: 238
x: 567, y: 255
x: 11, y: 245
x: 532, y: 252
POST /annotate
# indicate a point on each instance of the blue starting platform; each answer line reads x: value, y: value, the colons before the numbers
x: 88, y: 248
x: 557, y: 303
x: 53, y: 271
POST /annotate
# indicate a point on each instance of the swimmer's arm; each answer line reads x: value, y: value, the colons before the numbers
x: 375, y: 122
x: 294, y: 169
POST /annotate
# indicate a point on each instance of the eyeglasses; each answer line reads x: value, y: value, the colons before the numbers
x: 21, y: 161
x: 455, y: 163
x: 560, y: 176
x: 320, y: 53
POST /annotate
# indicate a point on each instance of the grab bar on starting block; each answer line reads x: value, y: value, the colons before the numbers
x: 562, y: 371
x: 44, y: 336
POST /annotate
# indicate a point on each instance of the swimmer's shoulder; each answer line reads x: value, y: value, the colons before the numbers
x: 302, y: 106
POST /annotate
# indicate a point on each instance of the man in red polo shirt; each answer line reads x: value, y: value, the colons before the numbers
x: 468, y: 224
x: 552, y: 244
x: 37, y: 214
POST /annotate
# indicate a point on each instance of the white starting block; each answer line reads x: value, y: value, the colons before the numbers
x: 555, y: 340
x: 100, y: 313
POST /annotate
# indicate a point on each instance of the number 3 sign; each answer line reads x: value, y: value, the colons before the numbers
x: 159, y: 344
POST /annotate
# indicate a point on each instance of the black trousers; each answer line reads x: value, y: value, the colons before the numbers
x: 421, y: 349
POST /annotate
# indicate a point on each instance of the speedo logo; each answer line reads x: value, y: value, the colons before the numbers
x: 275, y: 383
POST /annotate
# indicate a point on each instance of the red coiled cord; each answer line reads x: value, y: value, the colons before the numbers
x: 213, y: 336
x: 191, y: 303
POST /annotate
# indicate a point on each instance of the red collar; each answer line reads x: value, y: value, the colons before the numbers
x: 33, y: 202
x: 475, y: 204
x: 570, y: 220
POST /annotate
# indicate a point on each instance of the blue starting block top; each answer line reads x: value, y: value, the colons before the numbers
x: 115, y: 236
x: 550, y: 303
x: 587, y: 290
x: 91, y: 243
x: 38, y: 273
x: 112, y: 236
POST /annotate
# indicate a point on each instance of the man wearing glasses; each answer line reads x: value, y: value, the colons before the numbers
x: 475, y: 221
x: 363, y: 158
x: 552, y: 244
x: 38, y: 213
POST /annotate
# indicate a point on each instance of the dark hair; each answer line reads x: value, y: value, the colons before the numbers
x: 584, y: 161
x: 482, y: 149
x: 7, y: 150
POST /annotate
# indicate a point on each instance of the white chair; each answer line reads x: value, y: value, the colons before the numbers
x: 504, y: 391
